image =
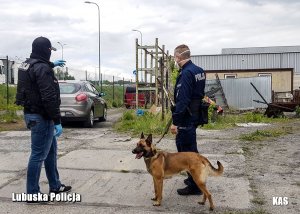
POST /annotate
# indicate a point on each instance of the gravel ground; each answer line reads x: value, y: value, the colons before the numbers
x: 272, y: 166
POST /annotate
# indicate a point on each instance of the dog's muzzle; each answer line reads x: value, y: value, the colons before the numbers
x: 139, y: 154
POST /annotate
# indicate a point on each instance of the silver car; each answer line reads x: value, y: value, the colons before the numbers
x: 80, y: 101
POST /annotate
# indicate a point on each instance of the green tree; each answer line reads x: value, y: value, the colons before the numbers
x: 67, y: 76
x: 60, y: 74
x: 175, y: 72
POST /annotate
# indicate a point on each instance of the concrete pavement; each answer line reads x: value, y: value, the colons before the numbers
x: 99, y: 165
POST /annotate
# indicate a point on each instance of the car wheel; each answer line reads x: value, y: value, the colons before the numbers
x: 104, y: 118
x: 89, y: 123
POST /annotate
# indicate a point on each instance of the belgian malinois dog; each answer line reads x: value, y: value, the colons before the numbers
x: 163, y: 164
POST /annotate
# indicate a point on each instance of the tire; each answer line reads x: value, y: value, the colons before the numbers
x: 89, y: 123
x: 104, y: 118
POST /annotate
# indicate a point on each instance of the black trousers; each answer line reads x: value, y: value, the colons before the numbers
x: 186, y: 142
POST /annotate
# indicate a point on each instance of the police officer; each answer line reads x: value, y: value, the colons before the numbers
x: 188, y: 94
x: 38, y: 92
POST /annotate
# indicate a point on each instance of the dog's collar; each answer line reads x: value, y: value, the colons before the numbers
x: 153, y: 155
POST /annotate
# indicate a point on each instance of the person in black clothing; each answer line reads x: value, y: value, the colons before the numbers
x: 188, y: 95
x: 38, y: 92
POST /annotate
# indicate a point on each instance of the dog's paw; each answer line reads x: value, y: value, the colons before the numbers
x: 201, y: 202
x: 156, y: 203
x: 154, y: 199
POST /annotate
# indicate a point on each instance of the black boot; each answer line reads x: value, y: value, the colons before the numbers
x: 187, y: 182
x: 189, y: 190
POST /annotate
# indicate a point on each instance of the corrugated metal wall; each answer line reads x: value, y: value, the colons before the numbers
x: 240, y: 94
x: 248, y: 61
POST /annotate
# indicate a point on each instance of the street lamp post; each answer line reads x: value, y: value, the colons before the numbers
x: 62, y: 50
x: 62, y: 55
x: 100, y: 77
x: 141, y: 52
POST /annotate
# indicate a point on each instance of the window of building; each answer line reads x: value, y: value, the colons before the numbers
x: 230, y: 76
x: 264, y: 74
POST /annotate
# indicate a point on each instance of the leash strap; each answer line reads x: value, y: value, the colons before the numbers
x: 165, y: 131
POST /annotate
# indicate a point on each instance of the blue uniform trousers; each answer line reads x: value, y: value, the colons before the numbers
x: 186, y: 142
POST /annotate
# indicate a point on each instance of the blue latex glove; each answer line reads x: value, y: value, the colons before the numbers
x: 58, y: 130
x: 59, y: 62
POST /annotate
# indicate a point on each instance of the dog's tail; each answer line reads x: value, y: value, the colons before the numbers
x: 214, y: 171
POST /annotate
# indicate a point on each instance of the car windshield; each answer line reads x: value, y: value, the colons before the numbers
x: 130, y: 89
x: 69, y: 88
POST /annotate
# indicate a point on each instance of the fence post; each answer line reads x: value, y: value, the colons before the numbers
x: 113, y: 88
x: 123, y: 91
x: 7, y: 92
x: 161, y: 62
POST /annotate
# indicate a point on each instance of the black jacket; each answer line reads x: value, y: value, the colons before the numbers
x: 189, y: 90
x: 38, y: 89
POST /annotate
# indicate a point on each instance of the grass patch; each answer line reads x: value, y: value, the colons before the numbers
x: 297, y: 111
x: 12, y: 90
x: 260, y: 135
x: 9, y: 120
x: 115, y: 99
x: 247, y: 151
x: 9, y: 116
x: 148, y: 123
x: 258, y: 201
x: 13, y: 126
x: 230, y: 120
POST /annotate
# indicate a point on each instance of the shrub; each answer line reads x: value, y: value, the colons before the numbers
x: 147, y: 123
x: 297, y: 111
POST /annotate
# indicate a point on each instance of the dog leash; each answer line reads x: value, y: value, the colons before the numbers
x: 165, y: 131
x: 172, y: 106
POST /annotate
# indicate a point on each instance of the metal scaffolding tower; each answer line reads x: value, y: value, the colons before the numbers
x: 156, y: 65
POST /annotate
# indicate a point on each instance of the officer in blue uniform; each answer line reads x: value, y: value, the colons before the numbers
x: 188, y: 95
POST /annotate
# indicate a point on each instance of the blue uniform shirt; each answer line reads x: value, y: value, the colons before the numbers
x: 189, y: 86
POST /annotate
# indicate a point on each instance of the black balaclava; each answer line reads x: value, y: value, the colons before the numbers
x: 41, y: 49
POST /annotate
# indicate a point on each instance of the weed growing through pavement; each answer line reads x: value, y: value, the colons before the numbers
x: 260, y: 135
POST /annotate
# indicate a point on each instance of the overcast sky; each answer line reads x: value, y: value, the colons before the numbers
x: 206, y: 26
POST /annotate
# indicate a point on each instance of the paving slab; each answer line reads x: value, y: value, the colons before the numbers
x: 136, y: 189
x: 13, y: 161
x: 21, y: 208
x: 13, y: 145
x: 14, y: 134
x: 5, y: 177
x: 124, y: 160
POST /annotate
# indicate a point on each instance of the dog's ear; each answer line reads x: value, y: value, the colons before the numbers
x: 142, y: 135
x: 149, y: 139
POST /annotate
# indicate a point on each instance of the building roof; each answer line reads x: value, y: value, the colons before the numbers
x: 259, y: 50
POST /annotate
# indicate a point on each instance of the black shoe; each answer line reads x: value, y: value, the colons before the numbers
x: 63, y: 188
x: 43, y: 201
x: 188, y: 190
x: 37, y: 202
x: 187, y: 182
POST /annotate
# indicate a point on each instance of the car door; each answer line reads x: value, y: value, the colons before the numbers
x: 100, y: 103
x: 94, y: 97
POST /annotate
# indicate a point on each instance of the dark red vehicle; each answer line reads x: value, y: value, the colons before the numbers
x: 130, y: 95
